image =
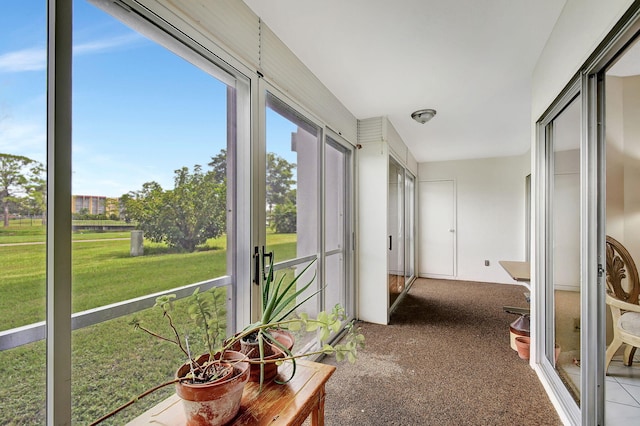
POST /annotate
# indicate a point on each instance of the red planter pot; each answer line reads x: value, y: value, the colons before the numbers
x: 214, y: 403
x: 286, y: 339
x: 522, y: 346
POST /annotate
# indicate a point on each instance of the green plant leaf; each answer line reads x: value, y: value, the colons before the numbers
x: 328, y: 349
x: 324, y: 334
x: 295, y: 325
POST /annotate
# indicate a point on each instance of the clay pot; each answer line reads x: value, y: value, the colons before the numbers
x: 214, y: 403
x: 520, y: 327
x: 522, y: 345
x: 286, y: 339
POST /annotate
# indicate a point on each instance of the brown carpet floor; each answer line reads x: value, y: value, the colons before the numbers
x: 445, y: 359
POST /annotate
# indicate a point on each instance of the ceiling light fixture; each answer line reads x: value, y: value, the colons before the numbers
x: 423, y: 115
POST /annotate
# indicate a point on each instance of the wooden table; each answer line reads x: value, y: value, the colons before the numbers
x: 519, y: 271
x: 288, y: 404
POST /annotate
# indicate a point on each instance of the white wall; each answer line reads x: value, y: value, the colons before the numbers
x: 490, y: 212
x: 582, y: 25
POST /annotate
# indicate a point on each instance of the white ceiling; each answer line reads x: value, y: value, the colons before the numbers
x: 471, y: 60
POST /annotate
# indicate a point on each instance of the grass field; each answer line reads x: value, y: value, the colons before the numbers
x: 111, y: 362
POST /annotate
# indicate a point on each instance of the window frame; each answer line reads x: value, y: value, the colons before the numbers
x: 59, y: 319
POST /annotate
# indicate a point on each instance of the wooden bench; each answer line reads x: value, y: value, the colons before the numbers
x: 288, y: 404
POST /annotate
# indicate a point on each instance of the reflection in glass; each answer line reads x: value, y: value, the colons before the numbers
x: 564, y: 228
x: 396, y: 231
x: 410, y: 229
x: 292, y: 183
x: 292, y: 197
x: 622, y: 145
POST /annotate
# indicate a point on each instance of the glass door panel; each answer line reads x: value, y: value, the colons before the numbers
x: 292, y: 183
x: 23, y: 227
x: 622, y: 223
x: 292, y: 194
x: 563, y: 264
x: 396, y: 233
x: 153, y: 180
x: 337, y: 176
x: 410, y: 253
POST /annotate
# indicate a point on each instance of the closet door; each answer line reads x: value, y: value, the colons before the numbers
x: 437, y: 228
x: 395, y: 228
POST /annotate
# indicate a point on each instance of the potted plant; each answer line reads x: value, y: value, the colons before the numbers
x: 211, y: 384
x: 269, y: 341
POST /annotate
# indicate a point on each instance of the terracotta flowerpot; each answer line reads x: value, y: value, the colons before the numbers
x: 214, y: 403
x: 286, y: 339
x: 522, y: 345
x: 520, y: 327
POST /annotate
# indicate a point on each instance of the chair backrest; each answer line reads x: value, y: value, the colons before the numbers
x: 620, y: 265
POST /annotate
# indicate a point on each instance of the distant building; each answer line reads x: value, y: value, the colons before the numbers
x: 95, y: 204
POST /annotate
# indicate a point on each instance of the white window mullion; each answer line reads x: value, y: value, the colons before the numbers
x: 58, y: 212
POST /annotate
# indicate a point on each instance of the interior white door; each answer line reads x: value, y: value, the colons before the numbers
x: 437, y: 228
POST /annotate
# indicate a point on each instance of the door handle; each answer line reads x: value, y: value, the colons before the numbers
x: 264, y: 263
x: 390, y: 242
x: 256, y: 266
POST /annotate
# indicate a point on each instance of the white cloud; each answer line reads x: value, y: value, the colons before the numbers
x: 35, y: 59
x: 26, y: 139
x: 107, y: 44
x: 24, y: 60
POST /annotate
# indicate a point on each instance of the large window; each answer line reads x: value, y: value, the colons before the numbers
x: 308, y: 187
x: 149, y: 192
x: 153, y: 208
x: 151, y: 133
x: 23, y: 154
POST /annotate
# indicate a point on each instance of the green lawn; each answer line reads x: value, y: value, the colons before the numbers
x: 111, y: 362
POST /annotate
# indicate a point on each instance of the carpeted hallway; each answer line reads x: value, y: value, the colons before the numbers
x: 445, y: 359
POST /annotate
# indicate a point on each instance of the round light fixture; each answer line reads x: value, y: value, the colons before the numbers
x: 423, y: 115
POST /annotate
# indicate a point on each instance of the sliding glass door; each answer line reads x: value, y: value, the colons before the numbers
x: 308, y: 207
x: 401, y: 230
x: 396, y: 231
x: 338, y: 219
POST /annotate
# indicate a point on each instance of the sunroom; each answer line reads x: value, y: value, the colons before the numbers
x: 302, y: 112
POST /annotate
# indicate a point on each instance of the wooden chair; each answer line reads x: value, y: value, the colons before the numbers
x: 623, y: 288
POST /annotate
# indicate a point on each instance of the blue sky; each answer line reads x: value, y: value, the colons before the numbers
x: 139, y: 111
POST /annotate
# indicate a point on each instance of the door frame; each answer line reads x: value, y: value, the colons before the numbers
x: 454, y: 220
x: 589, y: 81
x: 259, y: 193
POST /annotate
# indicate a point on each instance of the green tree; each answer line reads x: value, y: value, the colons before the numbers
x: 19, y: 177
x: 218, y: 166
x: 184, y: 217
x: 285, y: 218
x: 279, y: 179
x: 36, y: 200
